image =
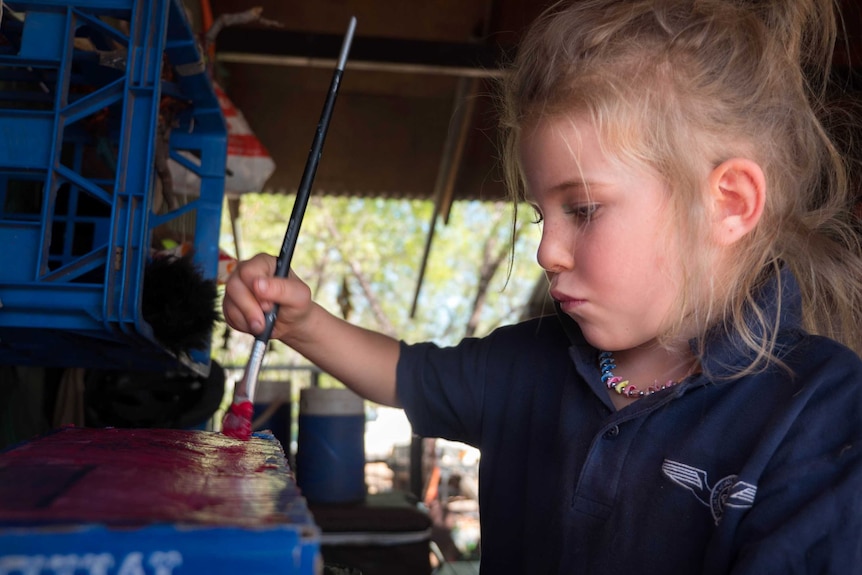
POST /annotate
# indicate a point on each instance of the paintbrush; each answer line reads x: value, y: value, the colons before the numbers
x: 237, y: 421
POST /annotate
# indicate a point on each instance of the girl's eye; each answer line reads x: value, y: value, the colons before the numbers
x: 583, y: 212
x: 537, y: 215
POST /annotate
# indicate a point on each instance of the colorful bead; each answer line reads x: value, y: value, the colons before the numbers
x: 625, y: 388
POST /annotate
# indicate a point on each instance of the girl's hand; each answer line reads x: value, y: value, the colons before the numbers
x: 251, y: 291
x: 364, y: 360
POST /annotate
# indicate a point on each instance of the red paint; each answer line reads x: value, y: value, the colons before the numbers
x: 237, y: 421
x: 134, y: 477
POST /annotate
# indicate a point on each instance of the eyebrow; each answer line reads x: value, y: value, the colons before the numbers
x: 570, y: 184
x: 578, y: 186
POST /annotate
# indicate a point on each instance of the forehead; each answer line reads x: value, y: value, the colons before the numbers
x: 565, y: 154
x: 562, y: 147
x: 573, y: 133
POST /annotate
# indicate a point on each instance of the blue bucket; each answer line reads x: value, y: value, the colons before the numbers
x: 330, y: 452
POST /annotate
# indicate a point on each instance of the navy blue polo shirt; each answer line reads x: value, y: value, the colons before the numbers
x: 759, y: 474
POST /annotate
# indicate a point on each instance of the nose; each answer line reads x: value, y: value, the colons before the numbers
x: 556, y: 249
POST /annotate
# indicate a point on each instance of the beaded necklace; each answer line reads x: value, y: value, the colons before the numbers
x: 625, y: 388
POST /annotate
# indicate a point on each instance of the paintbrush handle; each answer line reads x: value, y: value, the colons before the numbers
x: 237, y: 421
x: 304, y: 191
x: 245, y: 387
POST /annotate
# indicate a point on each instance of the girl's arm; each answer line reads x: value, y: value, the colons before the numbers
x: 362, y: 359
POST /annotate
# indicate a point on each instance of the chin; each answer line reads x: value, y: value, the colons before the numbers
x: 601, y: 341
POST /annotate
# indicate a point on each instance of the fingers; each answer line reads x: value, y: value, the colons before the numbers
x: 251, y: 291
x: 242, y: 309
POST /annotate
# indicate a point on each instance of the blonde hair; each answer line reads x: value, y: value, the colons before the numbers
x: 681, y: 86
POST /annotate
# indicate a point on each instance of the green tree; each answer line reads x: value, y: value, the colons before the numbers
x: 361, y: 257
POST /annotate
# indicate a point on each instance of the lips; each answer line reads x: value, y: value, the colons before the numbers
x: 558, y: 295
x: 566, y: 302
x: 570, y: 306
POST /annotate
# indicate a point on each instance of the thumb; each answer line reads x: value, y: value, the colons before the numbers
x: 263, y: 288
x: 274, y: 290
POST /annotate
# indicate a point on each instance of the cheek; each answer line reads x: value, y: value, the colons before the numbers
x: 653, y: 243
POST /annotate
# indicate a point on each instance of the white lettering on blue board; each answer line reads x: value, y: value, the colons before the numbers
x: 135, y: 563
x: 164, y: 562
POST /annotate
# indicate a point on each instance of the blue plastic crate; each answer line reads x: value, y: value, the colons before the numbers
x: 85, y: 87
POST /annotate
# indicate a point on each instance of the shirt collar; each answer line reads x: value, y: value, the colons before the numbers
x: 724, y: 352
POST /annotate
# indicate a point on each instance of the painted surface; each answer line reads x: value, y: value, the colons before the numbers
x: 120, y: 501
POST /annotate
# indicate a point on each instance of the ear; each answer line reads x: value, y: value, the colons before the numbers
x: 738, y: 191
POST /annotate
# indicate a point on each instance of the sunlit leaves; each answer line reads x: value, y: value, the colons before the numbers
x: 373, y: 248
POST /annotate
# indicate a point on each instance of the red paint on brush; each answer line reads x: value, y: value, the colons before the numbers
x: 237, y: 421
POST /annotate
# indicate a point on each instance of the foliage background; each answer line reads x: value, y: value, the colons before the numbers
x: 362, y: 259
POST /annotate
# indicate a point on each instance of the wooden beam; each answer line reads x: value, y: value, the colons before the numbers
x: 294, y: 48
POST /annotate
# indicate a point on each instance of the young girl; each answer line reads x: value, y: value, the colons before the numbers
x: 690, y: 408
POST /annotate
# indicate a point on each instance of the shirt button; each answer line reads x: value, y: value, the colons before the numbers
x: 612, y: 432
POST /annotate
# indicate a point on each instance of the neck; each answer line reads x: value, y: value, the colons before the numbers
x: 643, y: 371
x: 645, y: 365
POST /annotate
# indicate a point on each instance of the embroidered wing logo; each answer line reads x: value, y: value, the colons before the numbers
x: 727, y: 492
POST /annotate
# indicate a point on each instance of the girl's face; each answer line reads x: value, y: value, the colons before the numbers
x: 604, y: 243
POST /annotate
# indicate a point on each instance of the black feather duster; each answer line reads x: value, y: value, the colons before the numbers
x: 179, y: 303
